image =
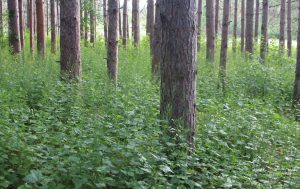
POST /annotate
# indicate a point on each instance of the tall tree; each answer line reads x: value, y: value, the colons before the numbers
x: 243, y: 26
x: 81, y: 19
x: 289, y: 27
x: 125, y: 20
x: 210, y: 31
x: 136, y: 21
x: 105, y: 20
x: 249, y: 26
x: 53, y: 25
x: 264, y: 30
x: 282, y: 26
x: 70, y: 59
x: 92, y: 21
x: 41, y: 38
x: 217, y: 17
x: 21, y: 22
x: 297, y: 72
x: 199, y: 23
x: 1, y: 19
x: 120, y: 22
x: 14, y: 26
x: 150, y: 17
x: 31, y: 25
x: 112, y: 48
x: 256, y: 20
x: 86, y: 26
x: 224, y: 44
x: 235, y: 26
x: 178, y: 64
x: 156, y: 41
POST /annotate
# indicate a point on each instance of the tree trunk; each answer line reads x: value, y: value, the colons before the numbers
x: 178, y: 64
x: 41, y: 39
x: 14, y: 26
x: 289, y: 27
x: 243, y: 26
x: 297, y: 74
x: 86, y: 27
x: 264, y: 30
x: 217, y: 17
x: 47, y: 17
x: 199, y: 23
x: 58, y: 17
x: 210, y: 31
x: 282, y: 26
x: 249, y: 26
x: 81, y: 20
x: 70, y: 40
x: 31, y: 25
x: 53, y: 26
x: 120, y: 22
x: 256, y: 20
x: 92, y: 21
x: 224, y: 44
x: 235, y: 26
x: 112, y: 49
x: 150, y: 18
x: 21, y: 22
x: 125, y: 19
x: 1, y: 19
x: 136, y: 22
x: 156, y: 41
x: 105, y: 20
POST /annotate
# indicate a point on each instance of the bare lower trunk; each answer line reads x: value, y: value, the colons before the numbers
x: 41, y: 38
x: 210, y: 31
x: 256, y: 20
x: 297, y: 74
x: 235, y: 26
x: 120, y: 23
x: 150, y: 17
x: 112, y: 48
x: 92, y: 21
x: 86, y: 27
x: 21, y: 22
x: 31, y: 25
x: 81, y: 20
x: 178, y: 65
x: 14, y: 26
x: 289, y: 27
x: 249, y: 26
x: 125, y: 19
x: 264, y: 30
x: 70, y: 59
x: 156, y: 41
x: 105, y: 20
x: 53, y: 26
x: 199, y: 23
x: 243, y: 26
x: 136, y: 21
x: 217, y: 17
x: 1, y: 19
x: 282, y: 26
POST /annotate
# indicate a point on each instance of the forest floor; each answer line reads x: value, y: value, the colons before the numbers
x: 92, y: 135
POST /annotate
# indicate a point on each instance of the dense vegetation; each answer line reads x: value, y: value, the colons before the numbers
x: 93, y: 135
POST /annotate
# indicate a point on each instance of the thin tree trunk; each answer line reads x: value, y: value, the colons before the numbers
x: 217, y: 17
x: 31, y: 25
x: 41, y: 39
x: 136, y: 22
x: 58, y: 17
x: 199, y: 23
x: 70, y: 59
x: 86, y: 28
x: 47, y: 17
x: 28, y: 15
x: 1, y: 19
x: 53, y: 26
x: 256, y: 20
x: 235, y: 26
x: 21, y: 22
x: 289, y: 27
x: 156, y: 41
x: 178, y: 65
x: 92, y: 22
x: 120, y: 22
x: 282, y: 26
x: 125, y: 18
x: 210, y: 31
x: 249, y: 26
x: 128, y: 33
x: 224, y: 44
x: 150, y: 18
x: 105, y: 20
x: 264, y: 30
x: 81, y: 20
x: 243, y: 26
x: 14, y: 26
x: 112, y: 49
x: 297, y: 72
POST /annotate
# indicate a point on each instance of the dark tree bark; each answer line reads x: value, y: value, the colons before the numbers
x: 199, y: 23
x: 249, y: 26
x: 178, y: 64
x: 47, y: 17
x: 235, y: 26
x: 120, y: 22
x: 224, y: 44
x: 243, y: 26
x: 297, y: 74
x: 92, y: 21
x: 14, y: 26
x: 1, y: 19
x: 256, y: 20
x: 156, y: 41
x: 21, y: 22
x: 53, y: 26
x: 105, y: 20
x: 217, y: 17
x: 112, y: 49
x: 31, y: 25
x: 150, y: 18
x: 282, y: 26
x: 86, y: 26
x: 58, y: 17
x: 70, y: 59
x: 289, y: 27
x: 210, y: 31
x: 41, y: 38
x: 136, y: 22
x: 28, y: 16
x: 125, y: 20
x: 264, y: 30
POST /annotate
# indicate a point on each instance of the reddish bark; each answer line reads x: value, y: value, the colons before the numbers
x: 21, y: 22
x: 41, y: 38
x: 210, y: 31
x: 14, y: 26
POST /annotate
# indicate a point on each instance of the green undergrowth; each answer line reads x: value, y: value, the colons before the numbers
x: 92, y: 135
